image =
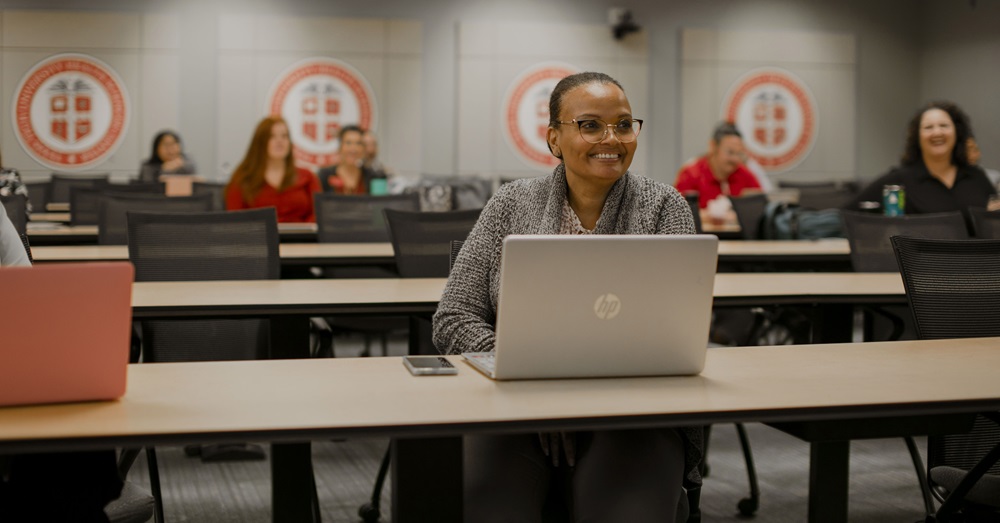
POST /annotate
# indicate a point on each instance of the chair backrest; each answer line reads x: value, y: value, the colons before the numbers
x: 16, y: 206
x: 749, y: 211
x: 422, y: 240
x: 60, y: 185
x: 138, y: 187
x: 692, y: 199
x: 985, y: 223
x: 38, y: 195
x: 456, y: 247
x: 953, y: 287
x: 237, y: 245
x: 112, y: 209
x: 357, y: 218
x: 83, y: 203
x: 869, y: 234
x: 217, y: 190
x: 824, y: 198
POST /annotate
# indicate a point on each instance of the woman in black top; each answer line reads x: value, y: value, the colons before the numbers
x: 935, y: 170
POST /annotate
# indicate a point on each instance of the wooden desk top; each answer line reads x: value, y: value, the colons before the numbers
x: 300, y: 252
x: 50, y: 216
x: 391, y: 295
x: 324, y: 252
x: 182, y: 402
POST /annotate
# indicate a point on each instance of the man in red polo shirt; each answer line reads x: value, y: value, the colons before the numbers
x: 721, y: 171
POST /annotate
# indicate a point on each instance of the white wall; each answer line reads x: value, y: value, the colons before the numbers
x: 961, y: 63
x: 897, y: 42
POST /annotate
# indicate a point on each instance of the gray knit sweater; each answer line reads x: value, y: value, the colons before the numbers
x: 466, y: 316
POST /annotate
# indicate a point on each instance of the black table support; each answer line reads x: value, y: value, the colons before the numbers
x: 427, y: 480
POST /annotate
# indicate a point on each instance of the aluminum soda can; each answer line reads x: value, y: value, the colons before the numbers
x: 893, y: 200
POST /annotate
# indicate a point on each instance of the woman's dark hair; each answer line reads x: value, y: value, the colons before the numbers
x: 963, y: 130
x: 568, y: 84
x: 349, y: 129
x: 154, y: 157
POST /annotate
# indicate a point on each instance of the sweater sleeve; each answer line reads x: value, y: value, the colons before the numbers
x: 675, y: 215
x: 465, y: 319
x: 12, y: 251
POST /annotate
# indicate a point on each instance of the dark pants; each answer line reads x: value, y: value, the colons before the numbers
x: 630, y: 476
x: 60, y: 487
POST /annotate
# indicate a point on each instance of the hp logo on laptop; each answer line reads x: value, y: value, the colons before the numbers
x: 607, y: 306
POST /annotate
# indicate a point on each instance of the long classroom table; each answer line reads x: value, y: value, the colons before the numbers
x: 786, y: 253
x: 316, y: 399
x: 48, y: 233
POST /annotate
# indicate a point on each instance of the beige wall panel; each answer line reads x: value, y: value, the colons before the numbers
x: 556, y: 41
x: 401, y: 118
x: 405, y: 37
x: 698, y: 44
x: 159, y: 105
x: 786, y: 46
x: 334, y: 35
x: 477, y: 39
x: 236, y: 31
x: 72, y: 30
x: 160, y: 31
x: 699, y: 112
x: 478, y: 116
x: 238, y: 111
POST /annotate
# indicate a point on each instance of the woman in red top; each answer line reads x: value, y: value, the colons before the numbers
x: 267, y: 176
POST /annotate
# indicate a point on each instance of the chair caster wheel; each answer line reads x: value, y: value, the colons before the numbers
x: 369, y: 513
x: 747, y: 506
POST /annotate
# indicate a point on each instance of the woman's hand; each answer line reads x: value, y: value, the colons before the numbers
x: 173, y: 164
x: 556, y: 443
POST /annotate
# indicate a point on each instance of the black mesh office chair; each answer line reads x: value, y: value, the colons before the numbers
x: 112, y: 208
x: 953, y: 287
x: 38, y: 195
x: 217, y: 190
x: 869, y: 234
x: 693, y: 203
x: 423, y: 242
x: 986, y: 223
x: 16, y: 206
x: 239, y: 245
x: 60, y: 185
x: 749, y: 212
x: 83, y: 205
x: 135, y: 186
x: 357, y: 218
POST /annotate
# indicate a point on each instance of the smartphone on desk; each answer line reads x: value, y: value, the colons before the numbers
x: 429, y: 365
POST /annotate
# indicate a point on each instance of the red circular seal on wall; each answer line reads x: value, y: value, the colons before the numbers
x: 70, y: 111
x: 776, y: 113
x: 318, y: 96
x: 526, y: 113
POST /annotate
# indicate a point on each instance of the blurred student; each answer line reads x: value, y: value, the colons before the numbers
x: 350, y: 175
x: 267, y: 176
x: 167, y: 157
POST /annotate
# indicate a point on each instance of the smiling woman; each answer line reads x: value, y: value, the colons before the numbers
x: 935, y: 174
x: 634, y: 475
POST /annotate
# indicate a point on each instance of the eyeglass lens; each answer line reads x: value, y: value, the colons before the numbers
x: 594, y: 131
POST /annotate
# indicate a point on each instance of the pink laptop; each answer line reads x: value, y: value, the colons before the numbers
x: 66, y: 331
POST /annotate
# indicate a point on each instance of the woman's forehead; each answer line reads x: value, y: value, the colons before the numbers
x: 596, y: 98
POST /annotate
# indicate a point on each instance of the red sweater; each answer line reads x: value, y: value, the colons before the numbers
x: 698, y: 177
x: 293, y: 205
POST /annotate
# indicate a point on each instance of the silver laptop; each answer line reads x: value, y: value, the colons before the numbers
x: 602, y: 306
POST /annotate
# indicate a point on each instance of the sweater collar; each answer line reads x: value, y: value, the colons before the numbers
x: 552, y: 218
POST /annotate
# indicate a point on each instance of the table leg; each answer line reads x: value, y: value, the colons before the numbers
x: 292, y: 485
x: 427, y: 480
x: 829, y: 464
x: 833, y: 323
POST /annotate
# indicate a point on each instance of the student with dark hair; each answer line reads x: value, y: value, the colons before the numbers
x: 620, y: 475
x: 267, y: 176
x: 167, y: 157
x: 349, y: 175
x: 935, y: 171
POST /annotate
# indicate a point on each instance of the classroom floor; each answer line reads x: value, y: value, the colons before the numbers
x: 883, y: 484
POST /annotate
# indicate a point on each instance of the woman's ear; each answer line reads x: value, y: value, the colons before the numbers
x: 552, y: 139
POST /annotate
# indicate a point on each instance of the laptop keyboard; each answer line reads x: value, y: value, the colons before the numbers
x: 485, y: 360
